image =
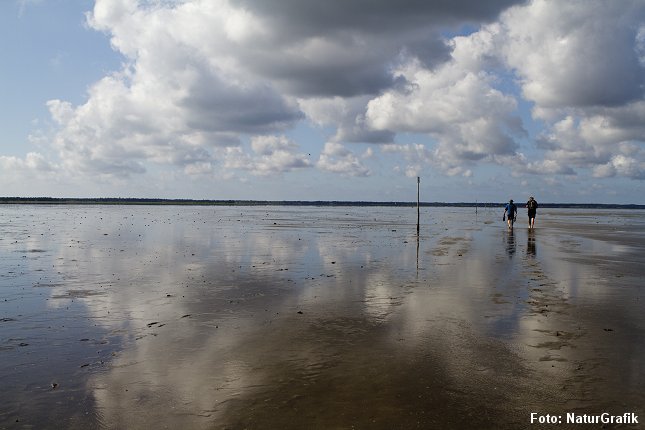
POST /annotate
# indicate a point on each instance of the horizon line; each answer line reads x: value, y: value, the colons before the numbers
x: 254, y: 202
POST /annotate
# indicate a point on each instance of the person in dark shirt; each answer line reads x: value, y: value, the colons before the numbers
x: 532, y: 206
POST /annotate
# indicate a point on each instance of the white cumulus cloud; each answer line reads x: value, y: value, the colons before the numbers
x: 214, y: 87
x: 336, y: 158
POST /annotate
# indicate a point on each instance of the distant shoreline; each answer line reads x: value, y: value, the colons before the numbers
x: 331, y: 203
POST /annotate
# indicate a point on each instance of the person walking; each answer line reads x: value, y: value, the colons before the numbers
x: 510, y: 212
x: 532, y: 206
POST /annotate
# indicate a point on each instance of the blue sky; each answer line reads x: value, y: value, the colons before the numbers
x: 309, y: 100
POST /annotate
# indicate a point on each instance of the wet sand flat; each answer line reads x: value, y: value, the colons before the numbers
x: 115, y: 317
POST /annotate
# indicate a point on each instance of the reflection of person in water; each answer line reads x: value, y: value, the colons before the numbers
x: 530, y: 244
x: 510, y: 243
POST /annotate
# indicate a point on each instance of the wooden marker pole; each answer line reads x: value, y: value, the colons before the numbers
x: 418, y: 211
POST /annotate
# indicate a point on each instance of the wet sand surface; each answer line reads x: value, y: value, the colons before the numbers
x: 133, y: 317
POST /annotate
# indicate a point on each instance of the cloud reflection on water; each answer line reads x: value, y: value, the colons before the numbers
x: 214, y: 312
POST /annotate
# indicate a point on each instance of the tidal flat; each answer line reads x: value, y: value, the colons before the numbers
x: 136, y: 317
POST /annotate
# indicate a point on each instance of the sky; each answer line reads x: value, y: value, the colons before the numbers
x: 324, y: 100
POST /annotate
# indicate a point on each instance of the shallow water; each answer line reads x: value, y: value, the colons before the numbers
x: 292, y: 317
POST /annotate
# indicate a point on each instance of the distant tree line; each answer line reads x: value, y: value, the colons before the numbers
x: 193, y: 202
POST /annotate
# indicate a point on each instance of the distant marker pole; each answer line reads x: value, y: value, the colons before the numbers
x: 418, y: 211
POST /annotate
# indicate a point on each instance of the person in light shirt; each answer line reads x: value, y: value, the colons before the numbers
x: 510, y: 212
